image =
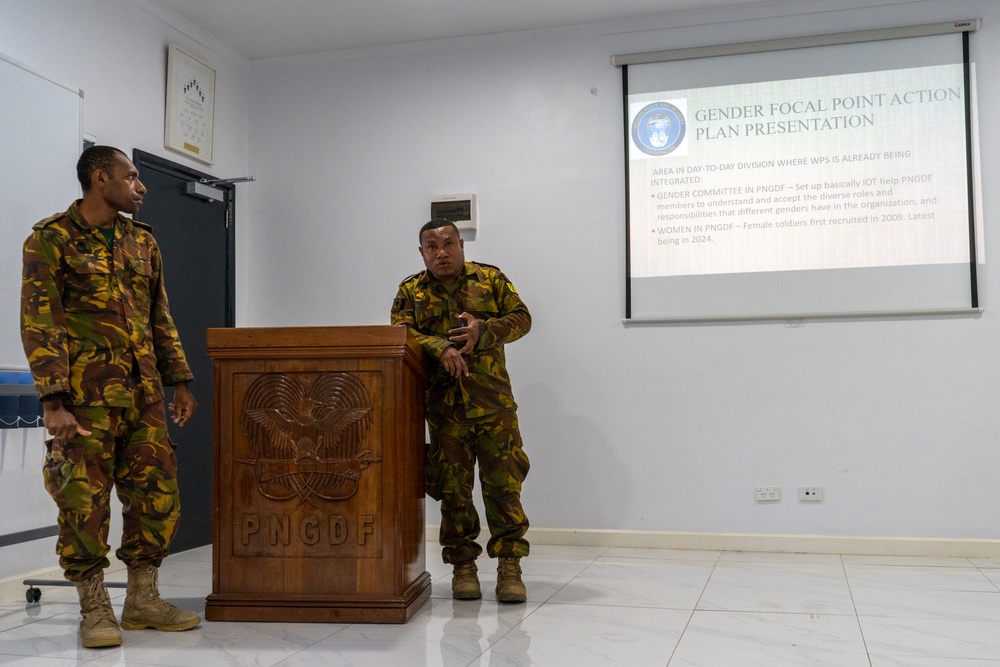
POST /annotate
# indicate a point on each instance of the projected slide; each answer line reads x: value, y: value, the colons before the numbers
x: 833, y: 172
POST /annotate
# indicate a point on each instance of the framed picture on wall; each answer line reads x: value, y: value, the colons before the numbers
x: 189, y: 126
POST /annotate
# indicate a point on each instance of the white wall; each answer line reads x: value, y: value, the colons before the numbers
x: 646, y: 428
x: 116, y: 51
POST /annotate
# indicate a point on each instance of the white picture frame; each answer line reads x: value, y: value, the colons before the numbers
x: 189, y: 124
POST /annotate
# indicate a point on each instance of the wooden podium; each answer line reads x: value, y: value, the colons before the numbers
x: 319, y: 475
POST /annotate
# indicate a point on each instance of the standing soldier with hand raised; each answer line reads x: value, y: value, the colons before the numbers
x: 462, y: 314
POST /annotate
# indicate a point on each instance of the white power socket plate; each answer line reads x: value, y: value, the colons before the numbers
x: 767, y: 493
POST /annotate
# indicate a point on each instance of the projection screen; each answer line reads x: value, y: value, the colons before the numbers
x: 825, y: 176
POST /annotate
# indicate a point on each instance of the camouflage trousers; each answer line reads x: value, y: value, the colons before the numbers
x: 128, y: 449
x: 456, y: 446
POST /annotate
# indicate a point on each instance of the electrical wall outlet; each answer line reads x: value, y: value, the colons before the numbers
x: 810, y: 494
x: 767, y: 493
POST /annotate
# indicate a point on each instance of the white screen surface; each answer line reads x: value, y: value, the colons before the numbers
x: 844, y: 190
x: 40, y: 138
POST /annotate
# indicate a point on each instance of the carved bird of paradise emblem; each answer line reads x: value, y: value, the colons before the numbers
x: 308, y: 440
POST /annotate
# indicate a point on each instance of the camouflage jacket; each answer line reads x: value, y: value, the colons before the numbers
x: 431, y: 308
x: 88, y: 312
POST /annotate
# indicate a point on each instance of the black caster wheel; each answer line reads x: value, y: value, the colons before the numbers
x: 33, y: 594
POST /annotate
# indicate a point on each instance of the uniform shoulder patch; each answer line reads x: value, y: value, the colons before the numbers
x: 490, y: 266
x: 49, y: 220
x: 499, y: 272
x: 412, y: 278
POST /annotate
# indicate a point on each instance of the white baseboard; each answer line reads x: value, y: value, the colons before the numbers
x: 817, y: 544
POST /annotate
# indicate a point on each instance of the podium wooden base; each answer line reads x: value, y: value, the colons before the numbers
x: 318, y: 609
x: 319, y: 475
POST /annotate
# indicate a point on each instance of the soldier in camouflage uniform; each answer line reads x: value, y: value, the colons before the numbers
x: 462, y: 314
x: 101, y: 345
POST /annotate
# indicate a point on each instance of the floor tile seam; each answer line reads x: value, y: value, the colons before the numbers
x: 701, y: 595
x: 765, y: 557
x: 778, y: 568
x: 300, y: 650
x: 826, y: 581
x: 774, y: 613
x: 283, y: 658
x: 557, y: 591
x: 665, y: 580
x: 785, y: 611
x: 6, y: 653
x: 934, y: 619
x: 101, y: 662
x: 646, y: 559
x: 131, y: 639
x: 582, y: 557
x: 322, y: 639
x: 584, y: 576
x: 73, y: 614
x: 642, y: 572
x: 680, y: 638
x: 888, y: 588
x: 985, y: 576
x: 854, y: 605
x: 479, y: 657
x: 905, y: 568
x: 616, y: 605
x: 970, y: 661
x: 723, y: 611
x: 964, y: 593
x: 582, y: 569
x: 876, y: 580
x: 912, y: 570
x: 665, y: 558
x: 597, y: 557
x: 803, y: 653
x: 34, y: 619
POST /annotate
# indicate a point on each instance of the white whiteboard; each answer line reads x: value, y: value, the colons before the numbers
x: 40, y: 142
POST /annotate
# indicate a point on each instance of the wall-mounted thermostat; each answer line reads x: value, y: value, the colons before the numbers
x: 460, y: 209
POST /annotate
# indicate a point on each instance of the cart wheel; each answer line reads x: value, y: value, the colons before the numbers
x: 33, y: 594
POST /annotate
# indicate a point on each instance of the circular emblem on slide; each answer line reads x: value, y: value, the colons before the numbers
x: 658, y: 128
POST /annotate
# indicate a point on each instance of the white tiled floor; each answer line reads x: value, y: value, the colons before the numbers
x: 589, y: 606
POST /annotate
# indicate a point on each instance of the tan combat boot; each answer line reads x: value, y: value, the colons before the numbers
x: 465, y: 582
x: 99, y: 627
x: 510, y: 588
x: 144, y: 608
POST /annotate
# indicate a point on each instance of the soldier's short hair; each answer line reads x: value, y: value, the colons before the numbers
x: 94, y: 158
x: 436, y: 223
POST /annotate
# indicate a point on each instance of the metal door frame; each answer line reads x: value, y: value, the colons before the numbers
x: 142, y: 159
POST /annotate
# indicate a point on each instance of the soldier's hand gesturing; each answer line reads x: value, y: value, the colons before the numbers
x: 454, y: 363
x: 467, y: 333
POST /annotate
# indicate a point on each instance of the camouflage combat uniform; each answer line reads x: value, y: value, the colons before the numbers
x: 97, y: 331
x: 472, y: 418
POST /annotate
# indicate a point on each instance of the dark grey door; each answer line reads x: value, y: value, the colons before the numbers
x: 196, y: 240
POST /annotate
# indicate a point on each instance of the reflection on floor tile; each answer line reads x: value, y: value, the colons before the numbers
x: 586, y: 606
